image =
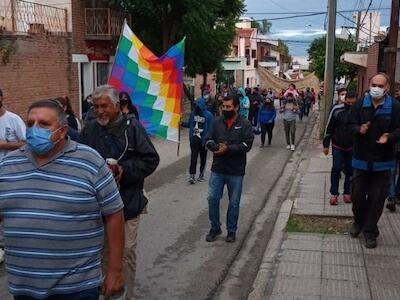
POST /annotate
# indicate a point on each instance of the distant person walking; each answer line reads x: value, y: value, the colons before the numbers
x: 244, y: 103
x: 290, y: 110
x: 308, y: 101
x: 266, y: 119
x: 230, y: 138
x: 375, y: 123
x: 127, y: 106
x: 338, y: 131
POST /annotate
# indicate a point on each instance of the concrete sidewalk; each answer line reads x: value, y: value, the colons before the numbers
x: 322, y: 266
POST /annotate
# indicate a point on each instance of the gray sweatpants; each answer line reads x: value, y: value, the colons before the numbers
x: 290, y: 131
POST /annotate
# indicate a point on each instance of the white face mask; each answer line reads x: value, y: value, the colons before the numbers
x: 342, y: 98
x: 376, y: 92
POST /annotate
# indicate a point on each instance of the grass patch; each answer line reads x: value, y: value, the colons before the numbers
x: 319, y: 224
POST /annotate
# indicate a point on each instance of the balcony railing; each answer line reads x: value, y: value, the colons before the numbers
x: 18, y: 16
x: 104, y: 23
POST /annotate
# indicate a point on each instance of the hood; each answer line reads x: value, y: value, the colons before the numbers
x: 200, y: 102
x: 242, y: 92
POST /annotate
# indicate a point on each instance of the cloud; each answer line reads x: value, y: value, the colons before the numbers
x: 298, y: 33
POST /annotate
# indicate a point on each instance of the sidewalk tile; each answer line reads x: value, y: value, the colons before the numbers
x: 307, y: 208
x: 310, y: 257
x: 309, y: 201
x: 292, y: 297
x: 350, y: 273
x: 385, y: 291
x: 345, y: 289
x: 382, y: 275
x: 341, y: 246
x: 342, y: 259
x: 380, y: 261
x: 382, y: 250
x: 294, y: 286
x: 299, y: 270
x: 305, y: 236
x: 302, y: 245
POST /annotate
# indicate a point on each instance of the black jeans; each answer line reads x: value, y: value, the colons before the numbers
x: 197, y: 148
x: 369, y: 191
x: 341, y: 162
x: 307, y: 108
x: 267, y: 128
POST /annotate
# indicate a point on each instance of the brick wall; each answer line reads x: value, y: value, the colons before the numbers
x: 372, y: 64
x: 39, y: 68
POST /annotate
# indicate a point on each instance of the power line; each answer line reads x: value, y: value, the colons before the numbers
x: 361, y: 26
x: 370, y: 3
x: 310, y: 12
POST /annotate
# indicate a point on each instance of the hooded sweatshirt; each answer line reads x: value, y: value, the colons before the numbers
x: 244, y: 103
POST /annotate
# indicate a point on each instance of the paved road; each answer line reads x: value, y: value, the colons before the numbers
x: 174, y: 261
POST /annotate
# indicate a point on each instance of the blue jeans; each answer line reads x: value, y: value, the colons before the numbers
x: 394, y: 190
x: 341, y: 161
x: 215, y: 193
x: 91, y: 294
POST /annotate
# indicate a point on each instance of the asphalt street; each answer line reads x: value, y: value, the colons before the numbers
x: 174, y: 260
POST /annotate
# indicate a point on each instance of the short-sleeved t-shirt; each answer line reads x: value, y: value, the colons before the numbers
x: 53, y: 224
x: 12, y: 129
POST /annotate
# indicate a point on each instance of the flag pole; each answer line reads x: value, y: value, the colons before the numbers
x: 179, y: 131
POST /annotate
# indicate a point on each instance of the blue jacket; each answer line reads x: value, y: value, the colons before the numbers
x: 244, y: 103
x: 266, y: 116
x: 195, y: 118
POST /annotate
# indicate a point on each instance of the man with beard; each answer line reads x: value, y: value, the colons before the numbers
x: 231, y: 137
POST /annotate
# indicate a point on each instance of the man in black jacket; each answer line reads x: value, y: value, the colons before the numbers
x: 230, y: 138
x: 375, y: 123
x: 131, y: 156
x: 338, y: 131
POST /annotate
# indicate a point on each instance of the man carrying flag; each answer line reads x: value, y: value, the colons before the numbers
x: 131, y: 156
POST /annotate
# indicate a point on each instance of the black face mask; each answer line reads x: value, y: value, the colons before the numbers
x: 228, y: 114
x: 123, y: 102
x: 397, y: 98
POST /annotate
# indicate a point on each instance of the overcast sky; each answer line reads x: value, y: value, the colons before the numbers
x: 305, y: 29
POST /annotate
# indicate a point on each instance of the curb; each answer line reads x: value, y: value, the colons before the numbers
x: 266, y: 269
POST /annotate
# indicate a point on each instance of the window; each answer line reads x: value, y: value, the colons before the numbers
x: 102, y: 72
x: 253, y: 53
x: 247, y: 52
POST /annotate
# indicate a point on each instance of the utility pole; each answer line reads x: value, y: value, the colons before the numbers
x: 358, y: 27
x: 391, y: 50
x: 370, y: 28
x: 329, y: 59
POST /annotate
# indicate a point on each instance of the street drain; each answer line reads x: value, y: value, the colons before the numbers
x: 319, y: 224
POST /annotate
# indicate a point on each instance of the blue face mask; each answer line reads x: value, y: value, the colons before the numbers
x: 39, y: 139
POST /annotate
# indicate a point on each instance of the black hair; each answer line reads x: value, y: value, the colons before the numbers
x: 51, y: 104
x: 234, y: 98
x: 351, y: 95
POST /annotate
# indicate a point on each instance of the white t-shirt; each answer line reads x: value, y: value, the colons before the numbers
x: 12, y: 129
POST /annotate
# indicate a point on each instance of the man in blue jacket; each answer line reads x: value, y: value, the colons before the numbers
x: 199, y: 123
x: 375, y: 123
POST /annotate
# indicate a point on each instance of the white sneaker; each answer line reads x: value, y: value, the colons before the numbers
x: 1, y: 255
x: 292, y: 147
x: 288, y: 147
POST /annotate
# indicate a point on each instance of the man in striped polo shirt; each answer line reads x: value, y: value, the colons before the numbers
x: 55, y: 195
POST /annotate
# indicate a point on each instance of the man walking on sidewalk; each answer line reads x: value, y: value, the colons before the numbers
x: 338, y: 130
x: 230, y: 138
x: 375, y: 123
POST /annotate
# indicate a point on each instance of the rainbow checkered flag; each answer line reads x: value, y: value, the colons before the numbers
x: 154, y: 83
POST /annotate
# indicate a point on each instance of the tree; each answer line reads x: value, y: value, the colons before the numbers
x: 209, y: 27
x: 316, y: 54
x: 283, y: 50
x: 263, y: 27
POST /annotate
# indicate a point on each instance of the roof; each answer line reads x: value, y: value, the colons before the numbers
x: 245, y: 33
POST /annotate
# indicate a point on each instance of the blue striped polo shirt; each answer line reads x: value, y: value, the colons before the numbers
x: 53, y: 223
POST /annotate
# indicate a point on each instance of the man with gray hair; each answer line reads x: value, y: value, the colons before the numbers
x: 57, y: 197
x: 125, y: 145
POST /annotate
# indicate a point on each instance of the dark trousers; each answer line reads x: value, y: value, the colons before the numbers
x: 92, y: 294
x: 369, y: 191
x: 290, y: 131
x: 253, y: 116
x: 307, y: 108
x: 197, y: 149
x: 341, y: 161
x: 267, y: 129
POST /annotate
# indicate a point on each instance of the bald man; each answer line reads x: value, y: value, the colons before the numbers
x: 375, y: 124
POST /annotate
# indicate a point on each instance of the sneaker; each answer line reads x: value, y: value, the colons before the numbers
x: 201, y: 178
x: 370, y: 243
x: 212, y: 235
x: 288, y: 147
x: 1, y: 255
x: 391, y: 205
x: 192, y: 180
x: 292, y: 147
x: 231, y: 237
x: 355, y: 230
x: 334, y: 200
x: 347, y: 198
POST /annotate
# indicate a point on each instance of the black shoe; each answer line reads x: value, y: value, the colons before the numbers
x: 192, y: 180
x: 212, y: 235
x: 231, y: 237
x: 391, y: 205
x: 370, y: 243
x: 355, y: 230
